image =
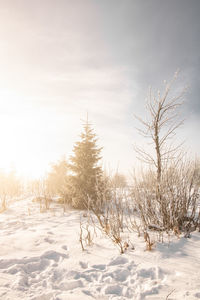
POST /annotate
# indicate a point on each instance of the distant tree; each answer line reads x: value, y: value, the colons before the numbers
x: 38, y: 188
x: 119, y: 181
x: 10, y: 187
x: 87, y: 175
x: 58, y: 180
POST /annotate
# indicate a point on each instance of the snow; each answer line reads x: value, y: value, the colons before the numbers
x: 41, y: 259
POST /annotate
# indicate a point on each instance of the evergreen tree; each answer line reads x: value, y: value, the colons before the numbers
x: 86, y: 172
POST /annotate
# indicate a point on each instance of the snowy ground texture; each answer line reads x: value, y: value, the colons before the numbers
x: 41, y: 259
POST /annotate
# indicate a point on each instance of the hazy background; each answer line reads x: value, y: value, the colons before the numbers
x: 61, y: 59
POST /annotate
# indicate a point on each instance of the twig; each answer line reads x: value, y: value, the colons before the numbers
x: 170, y: 293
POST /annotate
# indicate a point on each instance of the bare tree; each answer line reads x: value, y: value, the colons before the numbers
x: 160, y: 128
x: 41, y: 193
x: 167, y: 193
x: 10, y: 188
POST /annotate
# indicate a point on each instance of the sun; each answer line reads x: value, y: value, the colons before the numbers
x: 21, y: 145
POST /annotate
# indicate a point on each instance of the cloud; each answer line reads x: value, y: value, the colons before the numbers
x: 60, y: 59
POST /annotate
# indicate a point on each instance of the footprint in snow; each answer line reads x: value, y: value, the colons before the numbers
x: 53, y: 255
x: 99, y: 267
x: 48, y: 240
x: 70, y: 285
x: 83, y: 264
x: 152, y: 273
x: 121, y: 274
x: 197, y: 295
x: 120, y: 260
x: 64, y: 247
x: 114, y: 289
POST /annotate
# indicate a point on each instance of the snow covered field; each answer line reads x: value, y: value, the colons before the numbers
x: 41, y: 258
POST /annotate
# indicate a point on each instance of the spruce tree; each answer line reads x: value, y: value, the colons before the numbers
x: 86, y: 172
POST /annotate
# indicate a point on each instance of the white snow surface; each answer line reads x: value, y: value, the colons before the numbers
x: 41, y: 259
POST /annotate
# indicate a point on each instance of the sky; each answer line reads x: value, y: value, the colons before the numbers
x: 60, y: 60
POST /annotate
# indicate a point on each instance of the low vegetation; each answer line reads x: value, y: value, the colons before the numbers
x: 162, y: 198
